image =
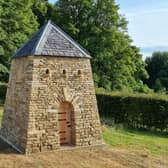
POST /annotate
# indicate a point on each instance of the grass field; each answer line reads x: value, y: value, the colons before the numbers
x: 118, y: 136
x: 125, y: 149
x: 139, y: 140
x: 1, y: 113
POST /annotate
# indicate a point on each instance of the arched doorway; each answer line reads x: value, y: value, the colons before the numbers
x: 66, y: 124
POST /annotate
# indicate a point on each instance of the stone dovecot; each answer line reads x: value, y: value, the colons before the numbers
x: 50, y: 101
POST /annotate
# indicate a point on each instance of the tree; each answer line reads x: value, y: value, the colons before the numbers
x: 17, y: 24
x: 43, y: 10
x: 39, y: 8
x: 95, y: 24
x: 98, y: 26
x: 157, y: 67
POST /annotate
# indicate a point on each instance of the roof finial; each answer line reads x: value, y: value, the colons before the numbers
x: 49, y: 21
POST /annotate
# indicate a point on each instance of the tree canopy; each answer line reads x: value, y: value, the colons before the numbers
x: 157, y: 67
x: 96, y: 25
x: 17, y: 24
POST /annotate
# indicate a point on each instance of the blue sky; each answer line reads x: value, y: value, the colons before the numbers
x: 148, y: 23
x: 52, y: 1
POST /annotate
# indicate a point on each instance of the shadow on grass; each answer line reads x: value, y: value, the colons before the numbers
x: 146, y: 132
x: 110, y: 123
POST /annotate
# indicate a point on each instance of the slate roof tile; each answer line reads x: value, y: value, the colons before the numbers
x: 51, y: 40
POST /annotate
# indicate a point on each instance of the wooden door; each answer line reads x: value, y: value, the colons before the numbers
x: 65, y: 123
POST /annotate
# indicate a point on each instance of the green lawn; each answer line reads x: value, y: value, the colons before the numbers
x: 123, y: 138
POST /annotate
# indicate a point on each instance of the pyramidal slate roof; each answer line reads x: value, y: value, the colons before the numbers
x: 51, y: 40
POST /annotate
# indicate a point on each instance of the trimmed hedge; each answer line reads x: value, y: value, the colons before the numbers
x: 3, y: 88
x: 136, y: 110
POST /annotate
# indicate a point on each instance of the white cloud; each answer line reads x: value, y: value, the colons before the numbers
x: 147, y: 12
x: 148, y: 22
x: 149, y: 28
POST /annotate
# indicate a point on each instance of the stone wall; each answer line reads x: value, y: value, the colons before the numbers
x: 44, y: 83
x: 16, y: 108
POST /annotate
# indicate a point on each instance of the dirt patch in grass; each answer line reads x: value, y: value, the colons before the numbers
x: 105, y: 157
